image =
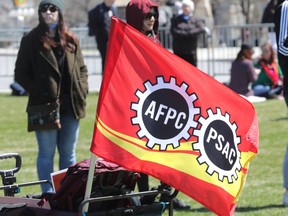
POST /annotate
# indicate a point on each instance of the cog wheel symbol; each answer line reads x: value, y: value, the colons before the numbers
x: 165, y: 113
x: 218, y: 145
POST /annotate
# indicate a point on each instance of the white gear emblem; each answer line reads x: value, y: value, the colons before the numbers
x: 165, y: 113
x: 218, y: 145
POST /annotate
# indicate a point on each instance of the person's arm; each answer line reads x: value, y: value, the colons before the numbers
x: 254, y: 73
x: 23, y: 72
x: 194, y: 27
x: 281, y: 24
x: 199, y: 25
x: 83, y: 70
x: 99, y: 20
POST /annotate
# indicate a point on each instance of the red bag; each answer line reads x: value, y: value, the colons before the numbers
x: 109, y: 179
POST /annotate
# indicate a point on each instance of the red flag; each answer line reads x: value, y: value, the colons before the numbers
x: 162, y: 116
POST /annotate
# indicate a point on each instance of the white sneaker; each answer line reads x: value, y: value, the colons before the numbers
x: 285, y: 199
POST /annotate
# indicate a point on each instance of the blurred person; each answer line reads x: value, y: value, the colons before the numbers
x: 50, y: 64
x: 268, y: 17
x: 270, y: 78
x: 269, y: 11
x: 281, y: 30
x: 176, y: 6
x: 99, y: 21
x: 243, y: 73
x: 143, y: 15
x: 165, y: 13
x: 185, y: 29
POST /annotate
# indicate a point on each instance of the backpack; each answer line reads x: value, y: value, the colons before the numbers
x: 109, y: 179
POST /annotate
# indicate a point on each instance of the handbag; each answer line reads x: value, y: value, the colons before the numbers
x: 44, y: 117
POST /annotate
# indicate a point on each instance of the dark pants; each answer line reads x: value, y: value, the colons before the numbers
x: 102, y: 47
x: 283, y: 62
x: 143, y: 183
x: 191, y: 57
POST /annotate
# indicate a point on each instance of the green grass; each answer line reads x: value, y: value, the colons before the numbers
x: 263, y: 191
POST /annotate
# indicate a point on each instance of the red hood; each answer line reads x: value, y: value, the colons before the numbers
x: 136, y: 11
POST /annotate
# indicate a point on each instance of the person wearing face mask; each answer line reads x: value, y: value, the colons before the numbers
x: 185, y: 29
x: 50, y: 66
x: 143, y: 16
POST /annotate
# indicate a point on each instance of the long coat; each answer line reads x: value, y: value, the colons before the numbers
x: 185, y: 34
x: 36, y: 69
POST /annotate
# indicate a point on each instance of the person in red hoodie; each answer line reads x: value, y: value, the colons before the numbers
x: 143, y: 16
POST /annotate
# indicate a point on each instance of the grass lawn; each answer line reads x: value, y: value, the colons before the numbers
x: 263, y: 191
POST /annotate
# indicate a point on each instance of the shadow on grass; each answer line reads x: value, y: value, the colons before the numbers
x: 242, y: 209
x: 281, y: 119
x: 257, y: 208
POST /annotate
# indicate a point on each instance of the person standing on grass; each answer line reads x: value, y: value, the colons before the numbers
x: 281, y: 30
x: 185, y: 29
x: 99, y: 25
x: 143, y: 15
x: 50, y: 62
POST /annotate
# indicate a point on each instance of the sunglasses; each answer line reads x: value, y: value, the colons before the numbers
x: 47, y: 7
x: 150, y: 14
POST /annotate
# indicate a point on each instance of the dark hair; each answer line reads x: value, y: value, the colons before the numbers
x: 241, y: 53
x: 66, y: 39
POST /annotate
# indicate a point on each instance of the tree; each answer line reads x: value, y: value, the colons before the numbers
x: 245, y: 8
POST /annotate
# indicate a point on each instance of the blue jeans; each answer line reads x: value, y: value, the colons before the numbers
x: 65, y: 140
x: 285, y: 169
x: 261, y: 90
x: 266, y: 91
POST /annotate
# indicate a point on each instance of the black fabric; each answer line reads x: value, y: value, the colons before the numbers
x: 32, y: 211
x: 142, y: 183
x: 155, y: 209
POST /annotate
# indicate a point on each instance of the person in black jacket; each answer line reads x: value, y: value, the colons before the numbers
x: 269, y: 11
x: 185, y: 29
x: 99, y: 19
x: 281, y: 30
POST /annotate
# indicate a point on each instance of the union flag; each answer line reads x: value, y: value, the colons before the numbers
x: 159, y: 115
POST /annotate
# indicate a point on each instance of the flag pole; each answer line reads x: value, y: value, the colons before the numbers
x: 89, y: 181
